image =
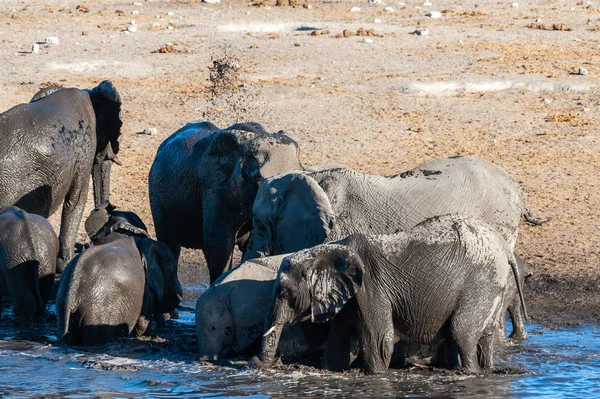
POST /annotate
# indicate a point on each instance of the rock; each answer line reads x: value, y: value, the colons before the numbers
x: 348, y: 33
x: 211, y: 1
x: 514, y: 5
x: 377, y: 21
x: 135, y: 12
x: 434, y: 14
x: 137, y: 3
x: 51, y: 40
x: 374, y: 1
x: 582, y: 71
x: 389, y: 9
x: 35, y: 48
x: 427, y: 4
x: 170, y: 13
x: 421, y: 32
x: 132, y: 22
x: 170, y: 27
x: 132, y: 29
x: 355, y: 9
x: 150, y: 131
x: 367, y: 40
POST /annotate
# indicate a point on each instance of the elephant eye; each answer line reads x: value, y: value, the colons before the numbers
x: 214, y: 328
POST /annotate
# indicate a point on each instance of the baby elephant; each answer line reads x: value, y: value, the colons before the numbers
x: 106, y: 224
x: 112, y: 289
x: 443, y: 281
x: 28, y: 251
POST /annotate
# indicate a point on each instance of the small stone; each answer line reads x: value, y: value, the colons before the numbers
x: 85, y: 33
x: 170, y: 13
x: 136, y: 3
x: 367, y: 40
x: 51, y: 40
x: 434, y: 14
x: 211, y: 1
x: 157, y: 16
x: 389, y: 9
x: 135, y: 12
x: 374, y: 1
x: 150, y: 131
x: 125, y: 32
x: 582, y: 71
x: 538, y: 20
x: 170, y: 27
x: 546, y: 100
x: 132, y: 22
x: 427, y: 4
x: 298, y: 44
x: 586, y: 110
x: 132, y: 29
x: 514, y: 5
x: 377, y: 21
x: 421, y: 32
x: 35, y: 48
x: 355, y: 9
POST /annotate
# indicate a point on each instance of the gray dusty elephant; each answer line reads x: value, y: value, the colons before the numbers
x: 446, y: 279
x: 111, y: 290
x: 298, y: 210
x: 231, y: 314
x: 28, y: 250
x: 51, y: 146
x: 204, y: 180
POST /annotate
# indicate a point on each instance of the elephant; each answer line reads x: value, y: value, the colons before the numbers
x: 443, y: 280
x: 28, y: 251
x: 105, y: 224
x: 203, y: 182
x: 50, y: 147
x: 301, y: 209
x: 111, y: 290
x: 231, y: 313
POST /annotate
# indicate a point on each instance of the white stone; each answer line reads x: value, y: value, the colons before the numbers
x: 538, y: 20
x: 586, y: 110
x: 51, y: 40
x: 435, y: 14
x: 125, y: 32
x: 150, y: 131
x: 137, y: 3
x: 582, y: 71
x: 367, y: 40
x: 422, y: 32
x: 355, y: 9
x: 132, y: 29
x: 35, y: 48
x: 135, y: 12
x: 170, y: 27
x: 389, y: 9
x: 427, y: 4
x: 514, y: 5
x: 211, y: 1
x: 377, y: 21
x: 170, y: 13
x: 157, y: 17
x: 374, y: 1
x: 546, y: 100
x: 132, y: 22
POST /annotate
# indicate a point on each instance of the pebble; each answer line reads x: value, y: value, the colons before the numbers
x: 137, y: 3
x: 435, y: 14
x: 132, y: 22
x: 51, y: 40
x: 514, y: 5
x: 375, y: 1
x: 582, y: 71
x: 355, y: 9
x: 586, y: 110
x: 135, y: 12
x: 211, y: 1
x: 427, y: 4
x: 150, y: 131
x: 35, y: 48
x: 546, y: 100
x: 367, y: 40
x: 170, y: 13
x: 377, y: 21
x: 132, y: 29
x: 170, y: 27
x: 389, y: 9
x: 421, y: 32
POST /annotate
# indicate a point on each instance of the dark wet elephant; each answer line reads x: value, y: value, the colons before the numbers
x: 28, y: 250
x: 105, y: 224
x: 111, y: 290
x: 51, y: 146
x: 204, y: 180
x: 446, y: 279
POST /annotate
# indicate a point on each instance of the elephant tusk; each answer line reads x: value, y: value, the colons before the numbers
x: 270, y: 331
x: 215, y: 358
x: 115, y: 159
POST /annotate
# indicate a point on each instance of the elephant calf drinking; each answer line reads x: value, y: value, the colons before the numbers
x: 445, y: 280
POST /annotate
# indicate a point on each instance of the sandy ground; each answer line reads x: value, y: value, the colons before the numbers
x: 485, y: 81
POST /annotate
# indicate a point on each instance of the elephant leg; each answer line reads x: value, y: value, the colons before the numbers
x: 486, y: 351
x: 141, y: 326
x: 219, y: 228
x: 515, y: 312
x: 338, y: 352
x: 466, y: 339
x: 160, y: 320
x: 70, y: 220
x: 376, y: 336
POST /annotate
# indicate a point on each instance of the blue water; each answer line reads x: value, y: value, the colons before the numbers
x: 553, y: 363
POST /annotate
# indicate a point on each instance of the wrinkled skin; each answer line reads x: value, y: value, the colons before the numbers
x: 443, y: 281
x: 105, y: 224
x: 231, y: 314
x: 28, y: 250
x: 112, y: 290
x: 327, y: 203
x: 204, y: 180
x: 60, y: 139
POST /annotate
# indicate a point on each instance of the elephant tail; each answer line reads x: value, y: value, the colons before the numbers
x: 518, y: 278
x: 34, y: 266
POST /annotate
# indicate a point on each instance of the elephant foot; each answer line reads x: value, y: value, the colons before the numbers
x: 519, y: 335
x: 61, y: 263
x: 256, y: 363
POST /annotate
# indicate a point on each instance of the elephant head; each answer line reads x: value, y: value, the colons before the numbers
x: 161, y: 275
x: 104, y: 219
x: 291, y: 212
x: 107, y: 107
x: 240, y: 157
x: 313, y: 284
x: 215, y: 327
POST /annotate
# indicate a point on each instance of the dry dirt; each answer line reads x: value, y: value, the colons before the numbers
x: 489, y: 80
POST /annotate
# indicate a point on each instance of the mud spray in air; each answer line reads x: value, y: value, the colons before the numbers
x: 559, y: 362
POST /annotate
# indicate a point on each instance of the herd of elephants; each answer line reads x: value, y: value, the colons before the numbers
x: 364, y: 271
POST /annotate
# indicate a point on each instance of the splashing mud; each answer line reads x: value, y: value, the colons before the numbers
x: 561, y: 362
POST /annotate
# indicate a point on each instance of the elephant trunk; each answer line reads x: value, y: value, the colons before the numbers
x: 270, y: 342
x: 101, y: 180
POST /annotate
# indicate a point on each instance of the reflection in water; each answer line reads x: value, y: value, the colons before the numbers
x: 552, y: 363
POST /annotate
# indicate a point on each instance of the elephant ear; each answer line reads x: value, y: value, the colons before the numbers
x: 106, y: 101
x: 295, y: 212
x: 220, y: 160
x: 252, y: 127
x: 45, y: 92
x: 334, y: 277
x: 156, y: 258
x: 98, y: 218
